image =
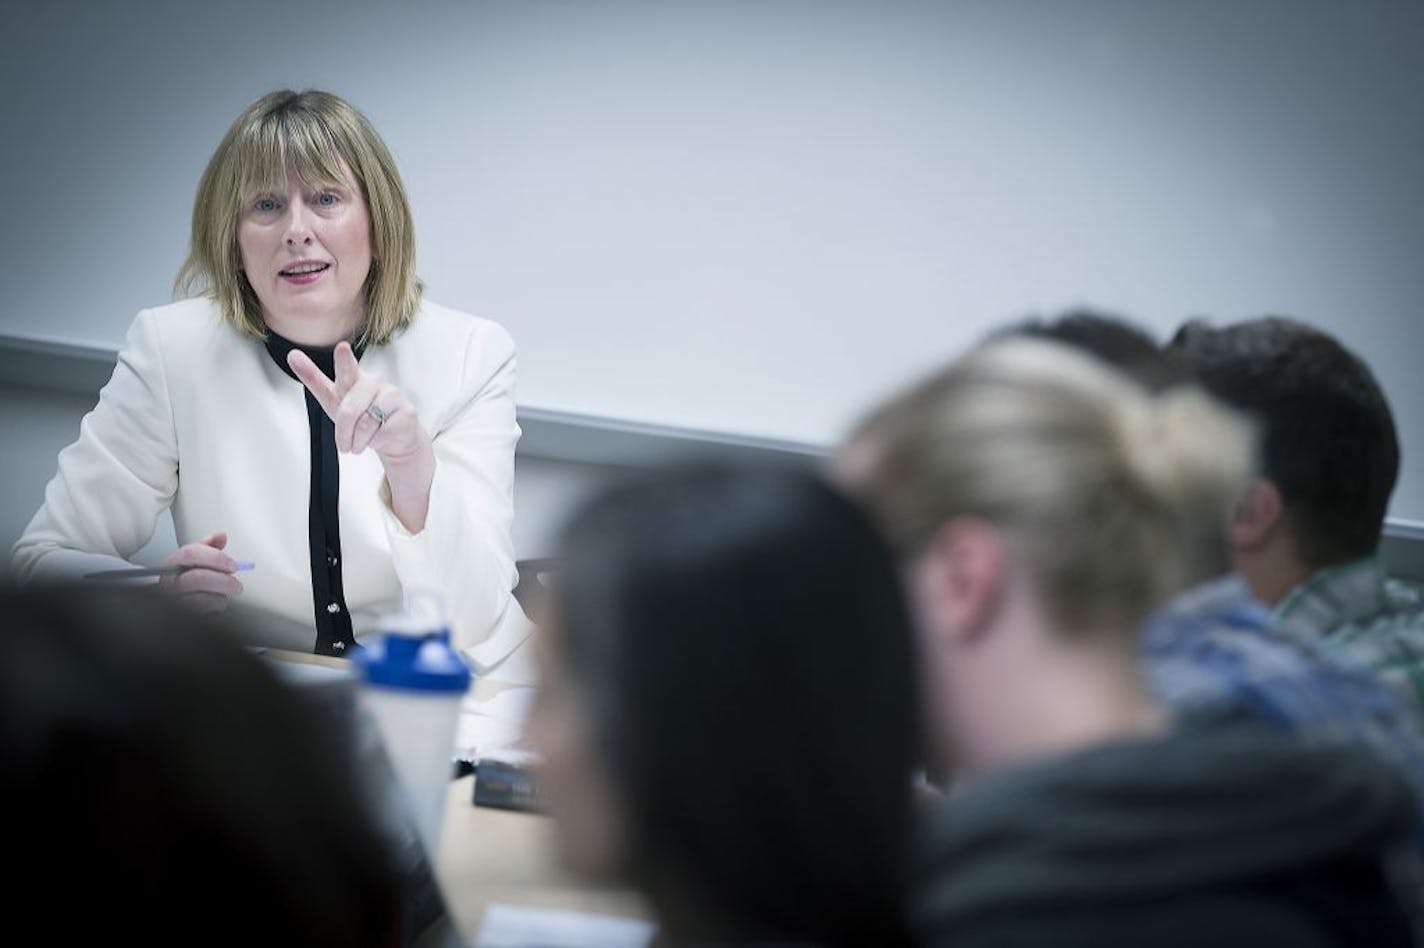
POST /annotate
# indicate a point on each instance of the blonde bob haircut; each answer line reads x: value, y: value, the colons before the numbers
x: 312, y: 134
x: 1103, y: 490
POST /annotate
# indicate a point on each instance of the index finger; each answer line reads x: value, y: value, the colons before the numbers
x: 323, y: 388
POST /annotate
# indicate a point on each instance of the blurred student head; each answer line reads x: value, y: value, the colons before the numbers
x: 1125, y: 346
x: 728, y: 711
x: 1135, y: 352
x: 1329, y: 454
x: 1043, y: 504
x: 161, y: 786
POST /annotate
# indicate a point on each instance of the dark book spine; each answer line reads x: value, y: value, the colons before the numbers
x: 507, y: 787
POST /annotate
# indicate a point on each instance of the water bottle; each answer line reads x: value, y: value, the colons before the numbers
x: 412, y: 683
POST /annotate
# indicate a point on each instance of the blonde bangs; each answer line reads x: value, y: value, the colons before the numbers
x: 310, y: 134
x: 285, y: 142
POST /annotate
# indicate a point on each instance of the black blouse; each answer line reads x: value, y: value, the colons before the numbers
x: 333, y: 623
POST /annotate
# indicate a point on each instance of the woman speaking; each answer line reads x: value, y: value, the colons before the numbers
x: 306, y: 411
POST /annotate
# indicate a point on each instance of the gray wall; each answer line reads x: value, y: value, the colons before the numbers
x: 755, y: 216
x: 36, y: 424
x: 34, y: 427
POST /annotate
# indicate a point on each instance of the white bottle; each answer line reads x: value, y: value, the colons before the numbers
x: 412, y: 683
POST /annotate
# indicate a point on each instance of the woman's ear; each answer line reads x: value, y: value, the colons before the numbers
x: 961, y: 582
x: 1256, y: 515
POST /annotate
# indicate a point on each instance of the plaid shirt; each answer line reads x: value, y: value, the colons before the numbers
x: 1213, y: 653
x: 1362, y: 615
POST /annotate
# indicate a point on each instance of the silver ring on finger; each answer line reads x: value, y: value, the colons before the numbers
x: 378, y: 413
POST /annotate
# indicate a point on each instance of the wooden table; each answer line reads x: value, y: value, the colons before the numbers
x: 489, y: 855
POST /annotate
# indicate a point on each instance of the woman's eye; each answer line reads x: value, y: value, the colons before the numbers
x: 327, y: 199
x: 264, y: 205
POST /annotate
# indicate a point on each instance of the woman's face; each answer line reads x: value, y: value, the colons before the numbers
x: 306, y: 252
x: 575, y: 781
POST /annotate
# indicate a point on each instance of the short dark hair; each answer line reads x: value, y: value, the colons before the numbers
x: 1120, y: 343
x: 162, y: 786
x: 1328, y: 437
x: 742, y: 640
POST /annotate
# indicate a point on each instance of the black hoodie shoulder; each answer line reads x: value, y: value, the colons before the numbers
x: 1207, y: 836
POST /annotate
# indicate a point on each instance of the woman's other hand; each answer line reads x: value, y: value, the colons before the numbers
x: 208, y: 584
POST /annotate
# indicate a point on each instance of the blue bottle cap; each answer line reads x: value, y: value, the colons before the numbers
x: 414, y: 663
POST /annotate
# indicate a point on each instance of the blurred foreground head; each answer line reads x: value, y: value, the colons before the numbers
x: 729, y: 707
x: 161, y: 786
x: 1044, y: 504
x: 1132, y: 350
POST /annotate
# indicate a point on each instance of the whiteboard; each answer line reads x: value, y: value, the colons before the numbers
x: 757, y: 217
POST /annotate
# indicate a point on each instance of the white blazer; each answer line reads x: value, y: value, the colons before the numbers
x: 200, y: 419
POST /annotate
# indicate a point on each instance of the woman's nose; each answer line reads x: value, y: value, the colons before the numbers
x: 298, y: 227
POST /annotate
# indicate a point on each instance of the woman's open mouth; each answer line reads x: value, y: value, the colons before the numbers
x: 305, y: 272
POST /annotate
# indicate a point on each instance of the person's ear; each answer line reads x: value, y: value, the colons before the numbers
x: 854, y: 462
x: 962, y: 579
x: 1256, y: 515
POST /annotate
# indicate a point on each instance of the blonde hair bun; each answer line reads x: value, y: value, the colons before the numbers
x: 1186, y: 450
x: 1115, y: 497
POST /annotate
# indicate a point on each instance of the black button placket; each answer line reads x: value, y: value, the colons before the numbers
x: 332, y: 620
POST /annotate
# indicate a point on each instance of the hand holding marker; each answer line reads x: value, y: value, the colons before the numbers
x: 199, y: 571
